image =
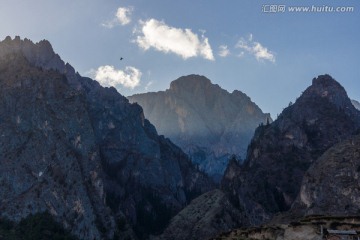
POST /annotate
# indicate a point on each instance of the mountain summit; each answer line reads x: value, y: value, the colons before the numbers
x: 206, y: 121
x: 40, y: 54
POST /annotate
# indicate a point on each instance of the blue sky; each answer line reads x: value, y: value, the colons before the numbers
x: 272, y: 57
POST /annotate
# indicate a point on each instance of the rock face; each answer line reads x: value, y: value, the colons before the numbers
x: 280, y: 153
x: 49, y: 158
x: 83, y: 152
x: 331, y: 185
x: 203, y: 218
x: 356, y: 104
x: 205, y: 120
x: 329, y: 197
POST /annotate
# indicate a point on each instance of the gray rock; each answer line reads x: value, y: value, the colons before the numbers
x: 280, y: 153
x: 83, y: 152
x: 331, y: 185
x: 206, y: 121
x: 48, y: 154
x: 205, y: 217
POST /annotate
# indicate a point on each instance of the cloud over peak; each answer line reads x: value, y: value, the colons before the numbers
x: 255, y: 48
x: 183, y: 42
x: 108, y: 76
x: 122, y: 17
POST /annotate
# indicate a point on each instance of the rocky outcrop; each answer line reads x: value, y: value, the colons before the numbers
x: 40, y: 54
x: 206, y: 121
x: 331, y: 185
x: 281, y: 152
x: 203, y: 218
x: 83, y: 152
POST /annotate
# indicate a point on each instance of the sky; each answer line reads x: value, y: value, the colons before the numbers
x: 270, y: 50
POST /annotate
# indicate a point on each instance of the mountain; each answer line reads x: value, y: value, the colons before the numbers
x: 206, y: 121
x: 82, y: 152
x: 356, y: 104
x: 281, y: 152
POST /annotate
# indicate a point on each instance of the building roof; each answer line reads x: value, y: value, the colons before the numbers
x: 342, y: 232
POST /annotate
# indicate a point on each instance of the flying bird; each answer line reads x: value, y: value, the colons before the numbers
x: 121, y: 58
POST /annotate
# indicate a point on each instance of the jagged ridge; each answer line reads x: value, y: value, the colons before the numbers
x: 74, y: 148
x: 281, y: 152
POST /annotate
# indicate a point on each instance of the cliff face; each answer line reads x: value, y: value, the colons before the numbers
x: 280, y: 153
x: 331, y: 185
x: 206, y: 121
x: 329, y: 196
x: 83, y: 152
x: 49, y: 158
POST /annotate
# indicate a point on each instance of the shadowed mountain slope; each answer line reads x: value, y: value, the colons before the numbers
x: 280, y: 153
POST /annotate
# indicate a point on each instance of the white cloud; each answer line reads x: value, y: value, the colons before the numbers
x: 262, y: 52
x: 255, y: 48
x: 109, y: 24
x: 109, y: 76
x: 122, y: 17
x: 241, y: 54
x: 164, y: 38
x: 223, y: 51
x: 148, y: 85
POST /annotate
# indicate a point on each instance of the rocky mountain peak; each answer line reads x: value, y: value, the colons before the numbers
x: 39, y: 54
x: 326, y: 87
x: 190, y: 83
x: 325, y: 80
